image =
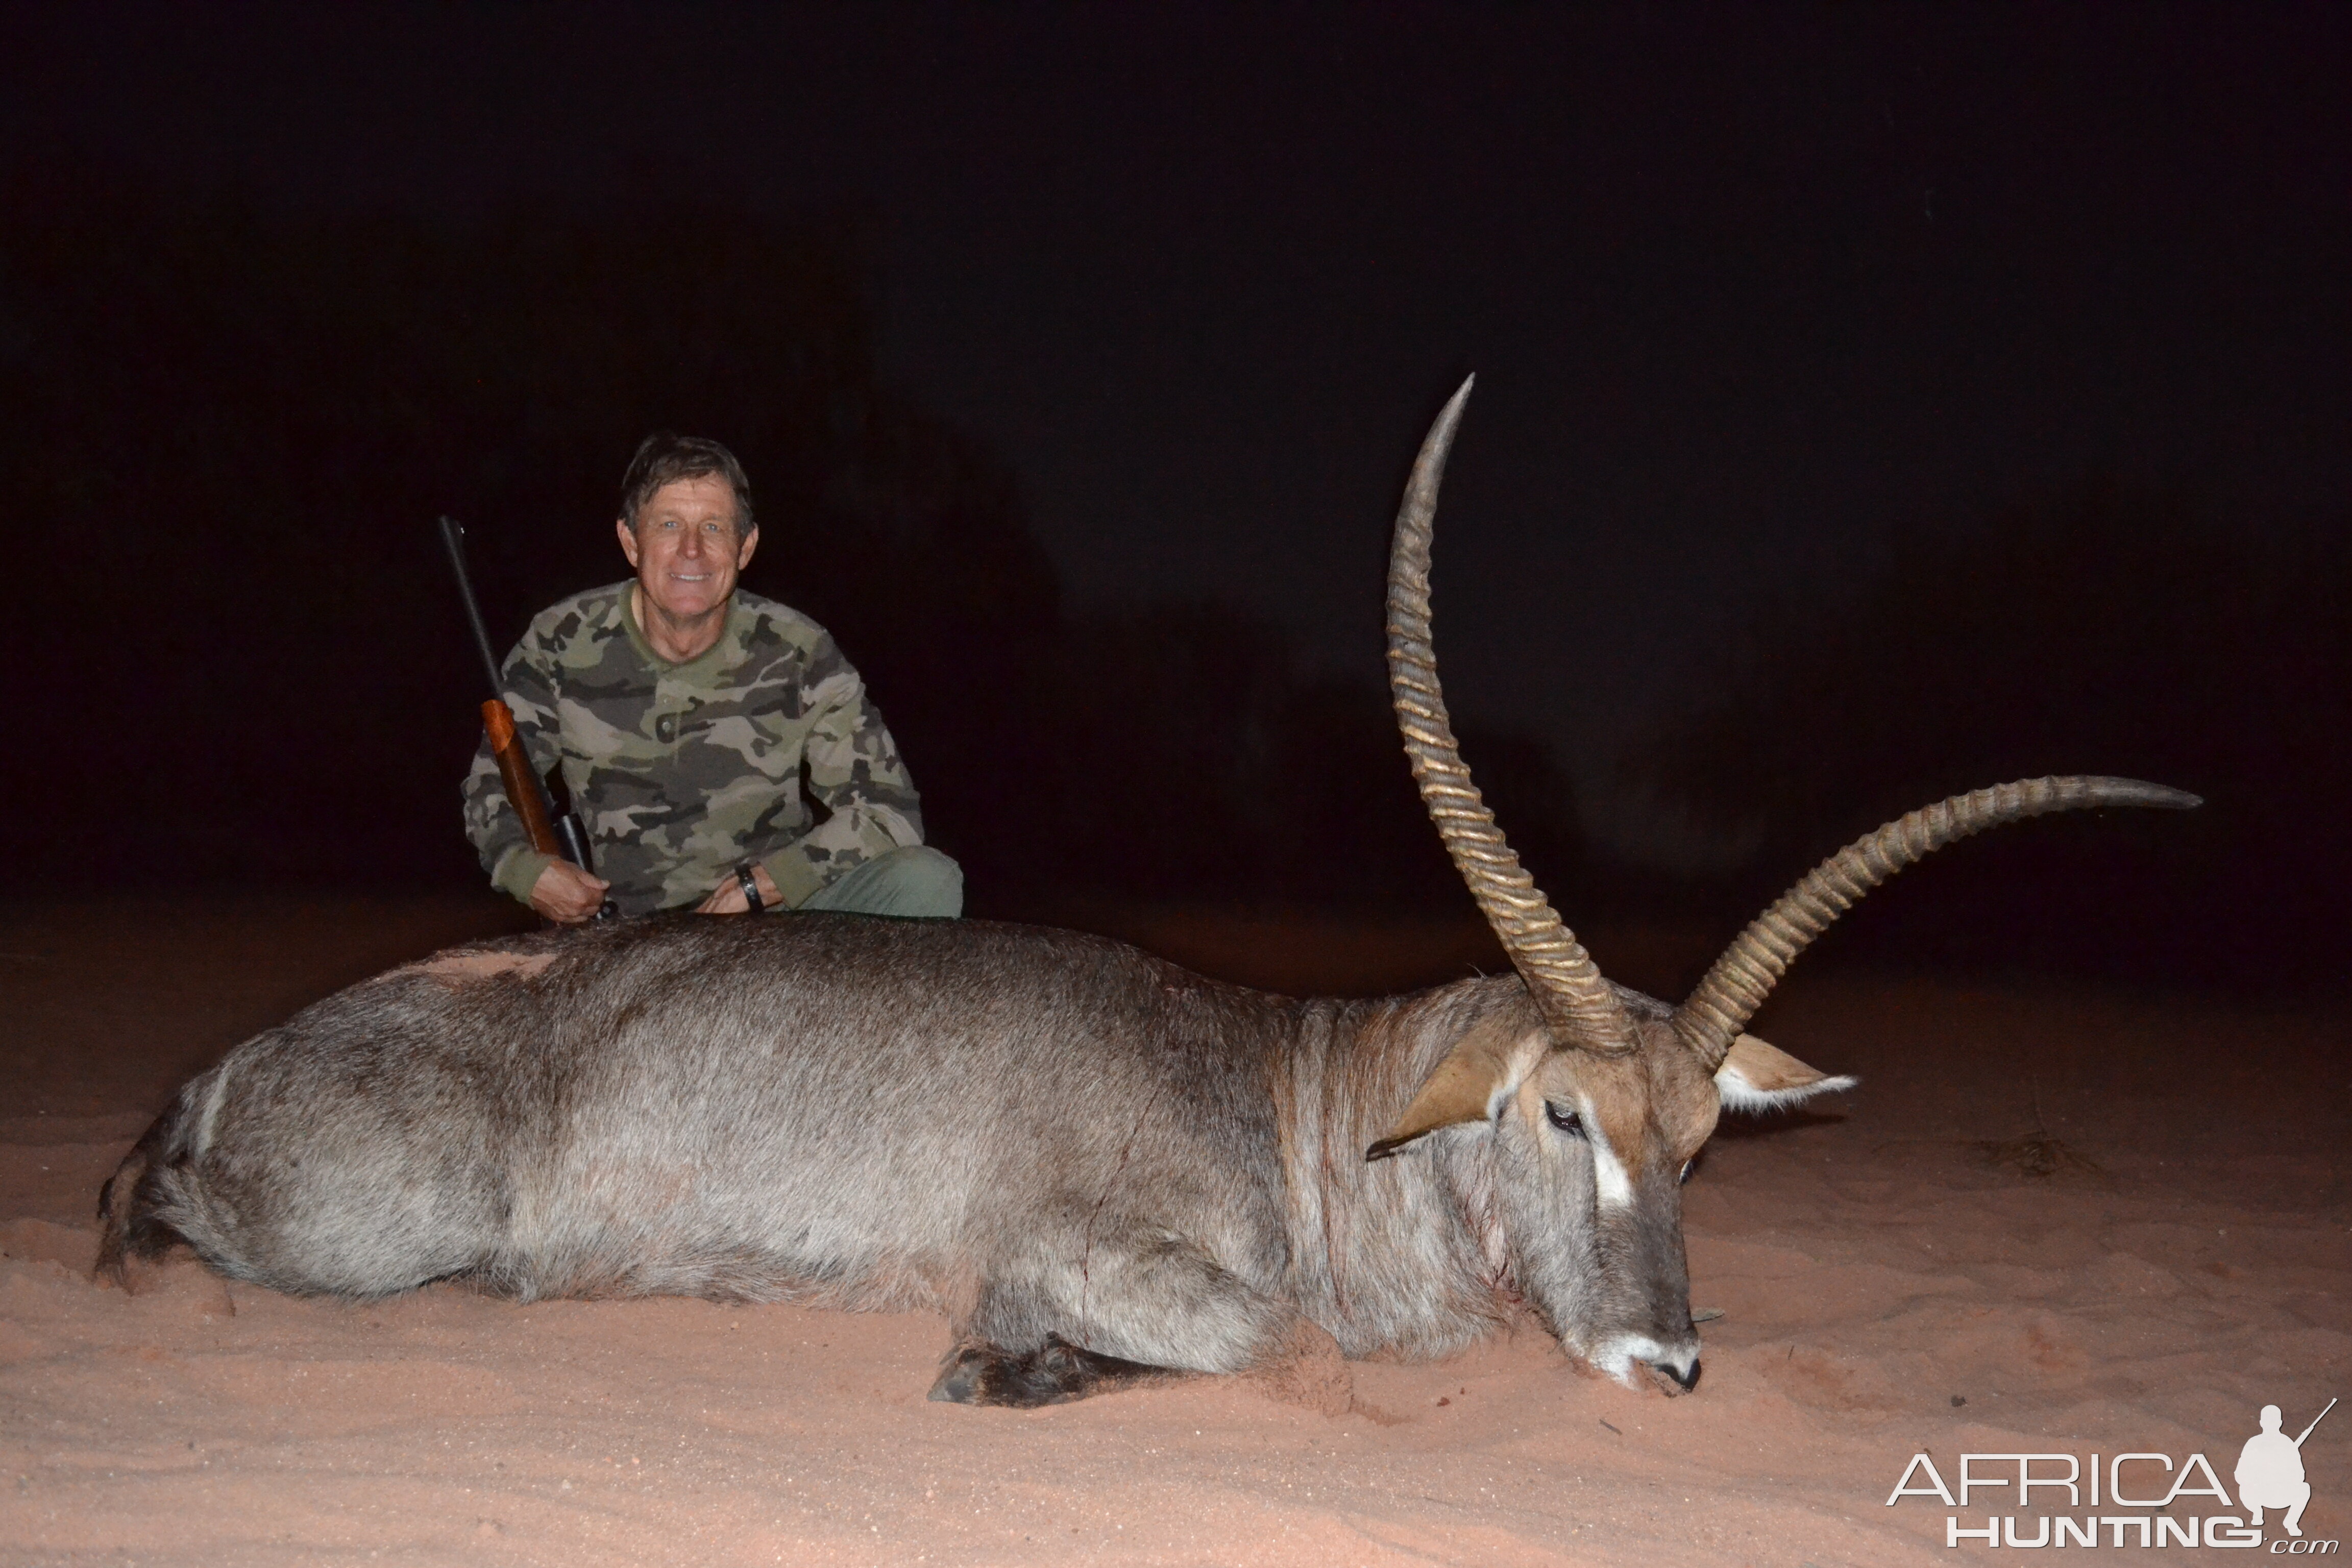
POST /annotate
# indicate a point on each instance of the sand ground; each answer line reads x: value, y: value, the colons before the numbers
x: 2048, y: 1223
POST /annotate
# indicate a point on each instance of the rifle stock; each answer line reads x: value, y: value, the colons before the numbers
x: 561, y: 837
x: 523, y: 785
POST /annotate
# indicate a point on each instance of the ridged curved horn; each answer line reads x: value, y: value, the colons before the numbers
x: 1732, y: 990
x: 1575, y: 1001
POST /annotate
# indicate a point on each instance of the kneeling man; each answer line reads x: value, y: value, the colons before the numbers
x: 686, y: 715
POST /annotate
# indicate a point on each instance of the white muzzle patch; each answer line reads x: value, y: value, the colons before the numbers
x: 1623, y: 1356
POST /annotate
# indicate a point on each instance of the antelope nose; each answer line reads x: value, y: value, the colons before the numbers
x: 1685, y: 1374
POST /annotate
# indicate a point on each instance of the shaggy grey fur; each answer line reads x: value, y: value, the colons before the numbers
x: 1058, y: 1140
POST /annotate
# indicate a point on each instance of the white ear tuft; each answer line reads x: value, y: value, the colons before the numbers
x: 1759, y: 1077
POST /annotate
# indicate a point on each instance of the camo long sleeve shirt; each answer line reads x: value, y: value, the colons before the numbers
x: 680, y: 771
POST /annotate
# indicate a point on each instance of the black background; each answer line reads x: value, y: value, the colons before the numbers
x: 1873, y: 403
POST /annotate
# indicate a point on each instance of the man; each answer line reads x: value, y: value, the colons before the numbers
x: 696, y: 725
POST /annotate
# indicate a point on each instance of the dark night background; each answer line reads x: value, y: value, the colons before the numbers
x: 1873, y: 403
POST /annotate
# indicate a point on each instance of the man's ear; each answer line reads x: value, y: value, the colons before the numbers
x: 750, y: 542
x: 1758, y: 1077
x: 1470, y: 1084
x: 629, y: 540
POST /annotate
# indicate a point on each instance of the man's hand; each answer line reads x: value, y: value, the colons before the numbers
x: 728, y: 899
x: 566, y: 893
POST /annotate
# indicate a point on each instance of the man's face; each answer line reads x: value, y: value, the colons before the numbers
x: 687, y: 546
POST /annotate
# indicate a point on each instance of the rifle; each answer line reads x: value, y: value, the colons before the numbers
x: 550, y: 831
x: 2314, y: 1421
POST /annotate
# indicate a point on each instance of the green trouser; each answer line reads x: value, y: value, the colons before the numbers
x: 916, y: 880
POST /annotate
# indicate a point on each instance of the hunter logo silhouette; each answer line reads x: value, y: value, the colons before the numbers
x: 2270, y: 1471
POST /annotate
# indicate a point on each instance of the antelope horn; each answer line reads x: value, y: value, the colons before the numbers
x: 1578, y: 1005
x: 1732, y: 990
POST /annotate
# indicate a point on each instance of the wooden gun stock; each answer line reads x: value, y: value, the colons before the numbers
x: 522, y: 784
x: 562, y: 838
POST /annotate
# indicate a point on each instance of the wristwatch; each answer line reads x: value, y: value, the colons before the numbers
x: 750, y: 886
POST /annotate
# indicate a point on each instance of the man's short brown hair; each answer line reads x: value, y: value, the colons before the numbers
x: 665, y: 457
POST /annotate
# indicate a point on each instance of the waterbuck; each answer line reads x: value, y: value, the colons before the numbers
x: 1098, y: 1164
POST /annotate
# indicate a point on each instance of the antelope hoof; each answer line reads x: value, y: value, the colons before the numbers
x: 1054, y: 1373
x: 960, y: 1380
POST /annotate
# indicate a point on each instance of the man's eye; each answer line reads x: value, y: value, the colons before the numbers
x: 1566, y: 1120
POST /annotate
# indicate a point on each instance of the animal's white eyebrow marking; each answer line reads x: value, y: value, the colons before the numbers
x: 1614, y: 1187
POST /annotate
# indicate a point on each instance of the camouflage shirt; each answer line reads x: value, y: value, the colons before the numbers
x: 680, y: 771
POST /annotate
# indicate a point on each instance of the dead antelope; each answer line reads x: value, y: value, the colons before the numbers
x: 1097, y: 1164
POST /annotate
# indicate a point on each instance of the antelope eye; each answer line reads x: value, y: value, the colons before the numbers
x: 1566, y: 1120
x: 1688, y: 1166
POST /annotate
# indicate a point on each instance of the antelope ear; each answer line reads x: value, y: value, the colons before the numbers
x: 1470, y: 1084
x: 1758, y: 1077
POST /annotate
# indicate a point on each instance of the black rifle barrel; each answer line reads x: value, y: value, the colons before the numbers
x: 566, y: 824
x: 453, y: 534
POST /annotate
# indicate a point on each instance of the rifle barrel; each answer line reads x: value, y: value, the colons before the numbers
x: 453, y: 535
x: 2314, y: 1422
x: 550, y: 832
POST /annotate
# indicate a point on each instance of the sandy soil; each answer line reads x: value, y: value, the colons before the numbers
x: 2047, y: 1222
